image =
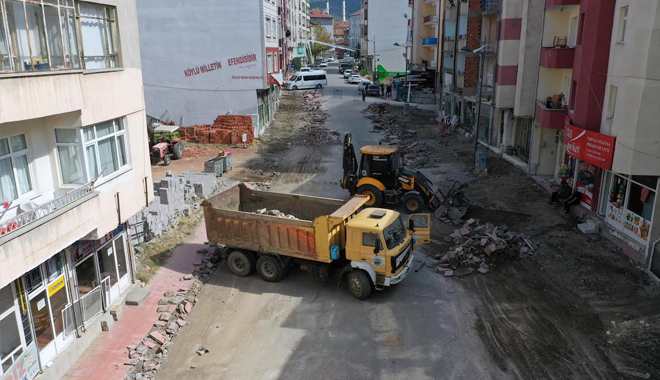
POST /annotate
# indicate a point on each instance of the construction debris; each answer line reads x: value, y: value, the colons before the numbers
x: 276, y: 213
x: 478, y: 246
x: 314, y: 133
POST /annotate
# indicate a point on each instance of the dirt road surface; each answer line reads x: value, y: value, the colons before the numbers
x: 575, y: 309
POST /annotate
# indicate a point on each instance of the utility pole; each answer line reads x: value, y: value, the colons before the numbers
x: 374, y: 59
x: 482, y: 56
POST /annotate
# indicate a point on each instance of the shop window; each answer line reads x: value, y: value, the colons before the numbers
x: 37, y: 36
x: 640, y: 200
x: 105, y: 148
x: 68, y: 154
x: 86, y: 276
x: 10, y: 339
x: 58, y: 301
x: 6, y: 300
x: 33, y: 279
x: 631, y: 203
x: 98, y: 30
x: 15, y: 179
x: 54, y: 267
x: 122, y: 267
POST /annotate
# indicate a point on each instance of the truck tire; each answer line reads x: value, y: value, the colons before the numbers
x: 359, y: 284
x: 240, y: 263
x: 167, y: 159
x: 270, y: 269
x: 413, y: 203
x: 375, y: 195
x: 177, y: 150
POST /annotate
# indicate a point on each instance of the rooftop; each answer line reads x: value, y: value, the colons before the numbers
x: 356, y: 13
x: 315, y: 13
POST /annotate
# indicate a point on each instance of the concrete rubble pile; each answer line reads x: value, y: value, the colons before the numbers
x: 276, y: 213
x: 314, y: 133
x: 416, y: 154
x: 146, y: 357
x: 478, y: 246
x: 174, y: 195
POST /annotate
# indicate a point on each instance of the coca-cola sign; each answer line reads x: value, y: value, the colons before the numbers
x: 592, y: 147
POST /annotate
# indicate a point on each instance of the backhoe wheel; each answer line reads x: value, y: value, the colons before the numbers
x: 375, y: 195
x: 167, y: 159
x: 359, y: 284
x: 413, y: 203
x: 270, y: 269
x: 240, y: 263
x: 177, y: 150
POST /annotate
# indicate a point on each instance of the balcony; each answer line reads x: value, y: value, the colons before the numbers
x: 557, y: 58
x: 430, y: 20
x: 550, y: 118
x: 449, y: 44
x: 450, y: 13
x: 557, y: 4
x: 429, y: 42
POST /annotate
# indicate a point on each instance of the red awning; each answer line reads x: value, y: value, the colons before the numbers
x: 279, y: 79
x: 592, y: 147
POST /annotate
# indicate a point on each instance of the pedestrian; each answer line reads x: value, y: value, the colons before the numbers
x: 561, y: 193
x: 443, y: 127
x: 574, y: 199
x: 389, y: 90
x: 381, y: 108
x: 382, y: 90
x: 364, y: 94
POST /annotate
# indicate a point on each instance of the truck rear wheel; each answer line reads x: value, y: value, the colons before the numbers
x: 240, y: 263
x: 270, y: 269
x: 375, y: 195
x: 359, y: 284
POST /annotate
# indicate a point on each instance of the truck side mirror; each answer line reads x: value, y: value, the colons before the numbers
x: 411, y: 225
x: 378, y: 246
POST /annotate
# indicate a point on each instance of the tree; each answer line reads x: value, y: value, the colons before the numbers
x: 322, y: 35
x: 298, y: 62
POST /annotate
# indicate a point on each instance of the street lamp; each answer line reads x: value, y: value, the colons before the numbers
x: 482, y: 55
x: 407, y: 64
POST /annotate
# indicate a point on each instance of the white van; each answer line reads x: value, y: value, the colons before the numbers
x: 312, y: 79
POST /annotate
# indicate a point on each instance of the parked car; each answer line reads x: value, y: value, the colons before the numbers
x: 343, y: 66
x: 373, y: 90
x: 363, y: 84
x: 331, y: 59
x: 348, y: 73
x: 354, y: 79
x: 323, y: 64
x: 311, y: 79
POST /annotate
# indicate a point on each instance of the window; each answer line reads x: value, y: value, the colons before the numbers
x: 38, y: 35
x: 15, y: 179
x: 98, y: 29
x: 268, y: 32
x: 623, y: 21
x: 369, y: 239
x: 276, y: 63
x: 566, y: 89
x: 68, y: 154
x: 572, y: 35
x: 269, y: 62
x: 105, y: 148
x: 611, y: 104
x: 580, y: 29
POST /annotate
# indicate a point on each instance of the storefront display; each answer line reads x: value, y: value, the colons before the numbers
x: 585, y: 183
x: 25, y: 367
x: 630, y: 204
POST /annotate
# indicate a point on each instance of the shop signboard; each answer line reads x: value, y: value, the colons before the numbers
x: 592, y: 147
x: 26, y: 367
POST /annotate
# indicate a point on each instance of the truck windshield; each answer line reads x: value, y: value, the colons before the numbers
x: 394, y: 234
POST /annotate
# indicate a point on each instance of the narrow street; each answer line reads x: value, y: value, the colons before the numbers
x: 564, y: 313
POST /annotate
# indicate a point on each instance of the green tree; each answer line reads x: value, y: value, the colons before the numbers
x: 298, y: 62
x: 322, y: 35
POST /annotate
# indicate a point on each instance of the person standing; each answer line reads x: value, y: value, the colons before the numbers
x: 389, y: 90
x: 364, y: 93
x: 382, y: 90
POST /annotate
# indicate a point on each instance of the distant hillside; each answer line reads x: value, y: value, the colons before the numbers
x: 336, y: 7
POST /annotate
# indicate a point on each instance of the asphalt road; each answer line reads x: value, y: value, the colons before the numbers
x: 301, y: 328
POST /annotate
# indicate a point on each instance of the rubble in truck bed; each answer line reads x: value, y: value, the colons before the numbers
x: 478, y: 246
x: 276, y: 213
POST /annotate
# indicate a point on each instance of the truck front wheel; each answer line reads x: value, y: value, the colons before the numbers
x: 240, y: 263
x: 359, y: 284
x: 270, y: 269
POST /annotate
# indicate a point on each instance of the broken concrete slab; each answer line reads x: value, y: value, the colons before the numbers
x: 137, y: 296
x: 157, y: 336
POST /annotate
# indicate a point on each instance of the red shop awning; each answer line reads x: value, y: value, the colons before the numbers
x: 592, y: 147
x: 278, y: 77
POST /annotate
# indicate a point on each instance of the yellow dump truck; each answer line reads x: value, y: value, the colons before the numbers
x: 271, y: 232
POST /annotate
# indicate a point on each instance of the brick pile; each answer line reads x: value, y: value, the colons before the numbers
x: 226, y: 129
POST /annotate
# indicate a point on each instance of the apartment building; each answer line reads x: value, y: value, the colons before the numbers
x: 201, y: 61
x: 383, y: 26
x: 354, y: 29
x: 73, y: 168
x: 298, y: 30
x: 425, y: 25
x: 325, y: 20
x: 625, y: 185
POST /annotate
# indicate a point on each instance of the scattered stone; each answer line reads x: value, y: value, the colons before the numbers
x: 149, y: 343
x: 202, y: 351
x: 158, y: 337
x: 162, y: 309
x: 165, y: 316
x: 181, y: 322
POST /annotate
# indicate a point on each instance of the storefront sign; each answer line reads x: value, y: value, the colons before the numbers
x: 26, y: 367
x: 592, y: 147
x: 60, y: 283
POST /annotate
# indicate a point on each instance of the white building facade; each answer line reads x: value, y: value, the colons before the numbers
x: 74, y: 166
x: 354, y: 29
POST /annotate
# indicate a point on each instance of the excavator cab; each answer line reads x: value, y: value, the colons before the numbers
x: 382, y: 163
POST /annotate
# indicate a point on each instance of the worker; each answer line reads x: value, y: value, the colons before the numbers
x: 389, y: 91
x: 364, y: 93
x: 574, y: 199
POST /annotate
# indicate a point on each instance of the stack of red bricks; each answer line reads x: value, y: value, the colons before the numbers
x: 226, y: 129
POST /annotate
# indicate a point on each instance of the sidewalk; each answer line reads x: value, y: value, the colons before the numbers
x: 105, y: 358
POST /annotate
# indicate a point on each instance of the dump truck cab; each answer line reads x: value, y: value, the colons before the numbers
x: 379, y: 243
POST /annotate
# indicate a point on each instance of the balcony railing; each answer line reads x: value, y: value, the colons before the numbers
x: 430, y: 20
x: 429, y: 41
x: 39, y: 211
x: 550, y: 118
x: 489, y: 6
x: 557, y: 58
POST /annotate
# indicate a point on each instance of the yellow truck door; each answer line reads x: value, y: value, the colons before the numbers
x: 420, y: 227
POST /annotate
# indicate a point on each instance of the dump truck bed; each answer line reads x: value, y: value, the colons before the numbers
x: 232, y: 219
